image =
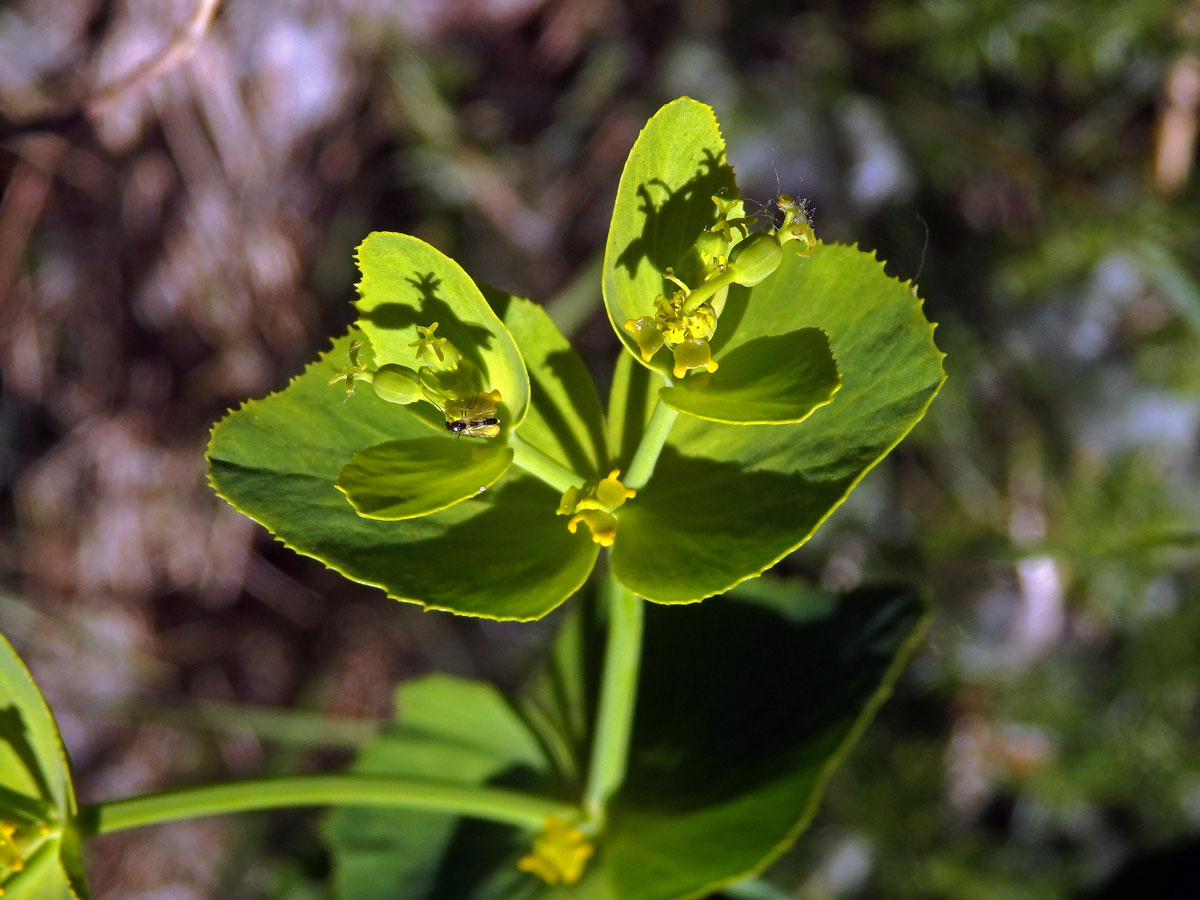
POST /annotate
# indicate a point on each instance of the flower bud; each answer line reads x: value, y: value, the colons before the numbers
x: 755, y: 259
x: 397, y: 384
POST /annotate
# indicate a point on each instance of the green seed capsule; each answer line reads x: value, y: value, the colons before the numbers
x: 711, y: 244
x: 755, y: 259
x: 397, y: 384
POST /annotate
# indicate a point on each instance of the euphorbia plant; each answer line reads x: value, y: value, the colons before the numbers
x: 453, y: 451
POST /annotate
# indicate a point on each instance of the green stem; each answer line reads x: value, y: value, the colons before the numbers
x: 653, y: 439
x: 618, y: 693
x: 538, y: 464
x: 704, y: 291
x: 494, y: 804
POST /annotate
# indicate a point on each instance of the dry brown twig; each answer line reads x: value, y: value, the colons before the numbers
x: 180, y: 49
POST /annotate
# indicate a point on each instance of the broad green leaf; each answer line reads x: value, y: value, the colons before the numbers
x: 501, y: 555
x: 418, y: 476
x: 406, y: 283
x: 36, y: 793
x: 743, y: 713
x: 449, y: 729
x: 33, y: 761
x: 663, y: 204
x: 744, y: 710
x: 727, y: 502
x: 772, y: 379
x: 565, y: 420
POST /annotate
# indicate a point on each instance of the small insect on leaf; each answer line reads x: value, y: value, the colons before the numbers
x: 474, y: 418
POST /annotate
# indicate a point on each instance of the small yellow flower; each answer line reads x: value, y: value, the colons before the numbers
x: 559, y: 853
x: 427, y: 340
x: 646, y: 335
x: 691, y: 355
x: 10, y: 853
x: 603, y: 525
x: 353, y: 373
x: 593, y: 504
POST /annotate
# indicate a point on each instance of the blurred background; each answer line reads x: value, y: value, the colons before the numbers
x: 184, y: 183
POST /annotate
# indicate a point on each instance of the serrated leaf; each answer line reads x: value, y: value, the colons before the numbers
x: 410, y: 478
x: 406, y: 283
x: 663, y: 204
x: 726, y: 502
x: 36, y: 790
x: 773, y: 379
x: 501, y: 555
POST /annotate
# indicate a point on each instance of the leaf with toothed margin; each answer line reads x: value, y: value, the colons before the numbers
x: 501, y: 555
x: 727, y: 502
x: 663, y: 204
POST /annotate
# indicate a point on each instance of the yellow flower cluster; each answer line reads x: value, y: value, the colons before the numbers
x: 593, y: 504
x: 559, y: 853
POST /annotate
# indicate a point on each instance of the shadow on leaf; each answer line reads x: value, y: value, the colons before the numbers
x: 672, y: 220
x: 469, y: 338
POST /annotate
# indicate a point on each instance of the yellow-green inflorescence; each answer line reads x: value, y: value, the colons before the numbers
x: 686, y: 320
x: 559, y: 853
x: 17, y: 844
x: 448, y: 380
x: 593, y: 504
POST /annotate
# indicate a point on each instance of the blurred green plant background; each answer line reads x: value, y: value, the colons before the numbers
x: 175, y: 243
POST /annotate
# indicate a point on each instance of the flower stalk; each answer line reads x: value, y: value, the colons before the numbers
x: 494, y: 804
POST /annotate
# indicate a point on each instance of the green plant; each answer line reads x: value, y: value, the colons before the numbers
x: 763, y: 374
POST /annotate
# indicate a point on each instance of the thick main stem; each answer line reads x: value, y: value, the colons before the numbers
x: 494, y: 804
x: 618, y: 695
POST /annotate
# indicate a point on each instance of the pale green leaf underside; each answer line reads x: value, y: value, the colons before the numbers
x: 406, y: 283
x: 503, y: 554
x: 415, y: 477
x: 771, y: 380
x: 663, y: 203
x: 728, y: 501
x: 36, y: 782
